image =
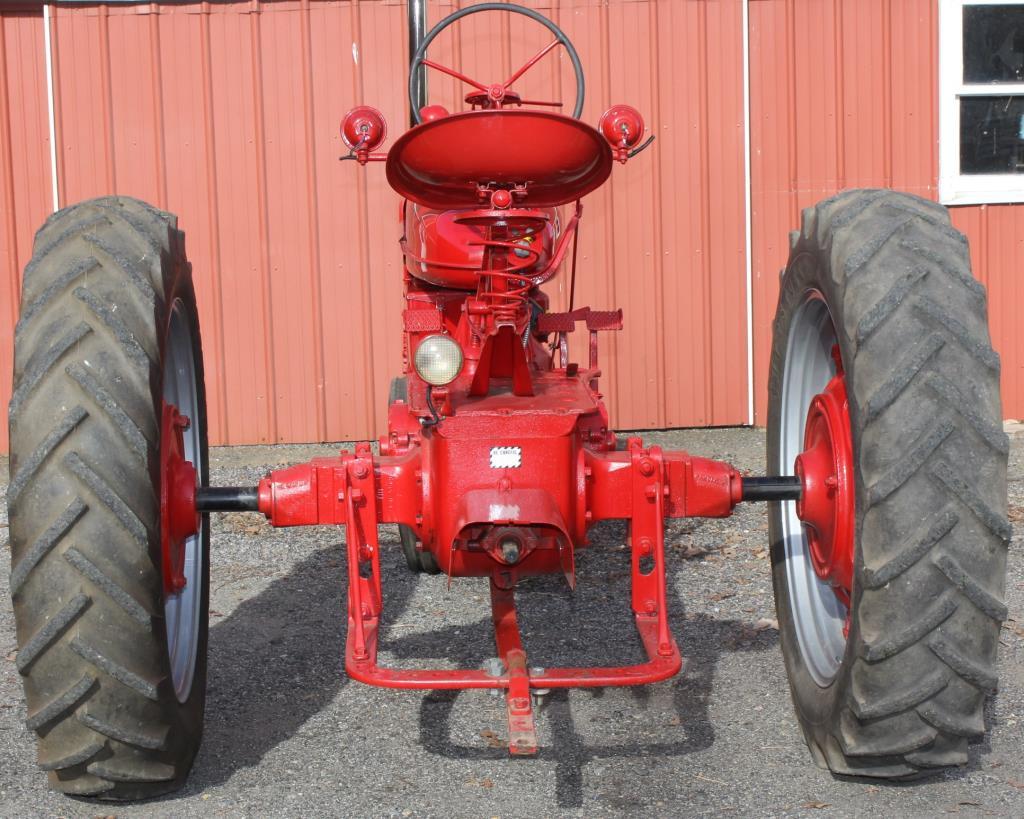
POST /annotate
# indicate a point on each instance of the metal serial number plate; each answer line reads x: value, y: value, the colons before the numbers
x: 506, y: 457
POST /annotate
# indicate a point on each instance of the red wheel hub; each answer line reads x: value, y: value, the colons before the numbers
x: 825, y: 469
x: 179, y: 519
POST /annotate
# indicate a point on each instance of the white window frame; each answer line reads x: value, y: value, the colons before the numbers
x: 956, y: 188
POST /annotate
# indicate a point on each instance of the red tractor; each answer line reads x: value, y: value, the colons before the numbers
x: 886, y: 456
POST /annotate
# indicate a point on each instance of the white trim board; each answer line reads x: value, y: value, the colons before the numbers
x: 956, y: 188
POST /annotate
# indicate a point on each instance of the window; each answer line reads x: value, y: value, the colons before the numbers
x: 981, y: 101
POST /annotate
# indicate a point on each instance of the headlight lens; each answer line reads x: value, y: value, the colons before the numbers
x: 438, y: 360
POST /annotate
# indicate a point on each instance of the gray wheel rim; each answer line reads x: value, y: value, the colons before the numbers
x: 182, y: 615
x: 817, y: 614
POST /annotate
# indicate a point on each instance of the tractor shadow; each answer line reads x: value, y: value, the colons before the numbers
x: 274, y: 662
x: 277, y: 661
x: 570, y: 628
x: 567, y: 746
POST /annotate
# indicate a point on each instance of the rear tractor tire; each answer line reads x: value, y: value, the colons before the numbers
x: 114, y: 667
x: 891, y: 682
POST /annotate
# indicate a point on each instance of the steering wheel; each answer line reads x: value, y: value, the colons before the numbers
x: 497, y: 94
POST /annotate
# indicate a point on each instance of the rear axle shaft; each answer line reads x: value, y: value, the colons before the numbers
x: 246, y: 498
x: 227, y: 499
x: 775, y: 488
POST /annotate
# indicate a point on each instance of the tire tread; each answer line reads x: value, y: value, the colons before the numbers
x: 923, y: 381
x: 83, y: 501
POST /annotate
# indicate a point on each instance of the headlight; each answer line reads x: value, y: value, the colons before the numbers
x: 438, y: 360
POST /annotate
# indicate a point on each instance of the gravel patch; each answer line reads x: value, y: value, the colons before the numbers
x: 287, y: 734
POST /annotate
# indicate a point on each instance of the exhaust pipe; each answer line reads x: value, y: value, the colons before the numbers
x: 417, y: 31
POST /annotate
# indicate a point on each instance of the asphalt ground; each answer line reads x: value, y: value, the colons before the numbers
x: 287, y: 734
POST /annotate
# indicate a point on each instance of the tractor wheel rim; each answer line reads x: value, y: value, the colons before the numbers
x: 182, y: 614
x: 825, y: 469
x: 818, y: 615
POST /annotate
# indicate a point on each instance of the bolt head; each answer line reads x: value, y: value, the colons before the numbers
x: 501, y: 199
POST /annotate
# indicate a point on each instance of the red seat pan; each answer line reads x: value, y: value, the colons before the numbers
x: 438, y: 164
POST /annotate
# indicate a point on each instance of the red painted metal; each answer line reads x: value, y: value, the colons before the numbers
x: 431, y: 112
x: 179, y: 519
x: 622, y: 126
x: 363, y: 130
x: 590, y: 481
x: 446, y: 247
x: 501, y: 472
x: 825, y: 469
x: 360, y: 490
x: 546, y: 159
x: 522, y: 463
x: 484, y: 511
x: 522, y: 734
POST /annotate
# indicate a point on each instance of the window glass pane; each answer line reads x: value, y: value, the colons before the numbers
x: 992, y: 134
x: 994, y: 43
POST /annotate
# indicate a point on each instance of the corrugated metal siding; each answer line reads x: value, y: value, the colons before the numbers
x: 25, y: 181
x: 844, y: 95
x: 996, y: 233
x: 227, y: 115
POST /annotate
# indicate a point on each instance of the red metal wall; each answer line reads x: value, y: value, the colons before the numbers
x: 226, y: 113
x: 25, y: 181
x: 844, y: 94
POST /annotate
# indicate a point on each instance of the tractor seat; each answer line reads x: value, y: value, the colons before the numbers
x: 442, y: 163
